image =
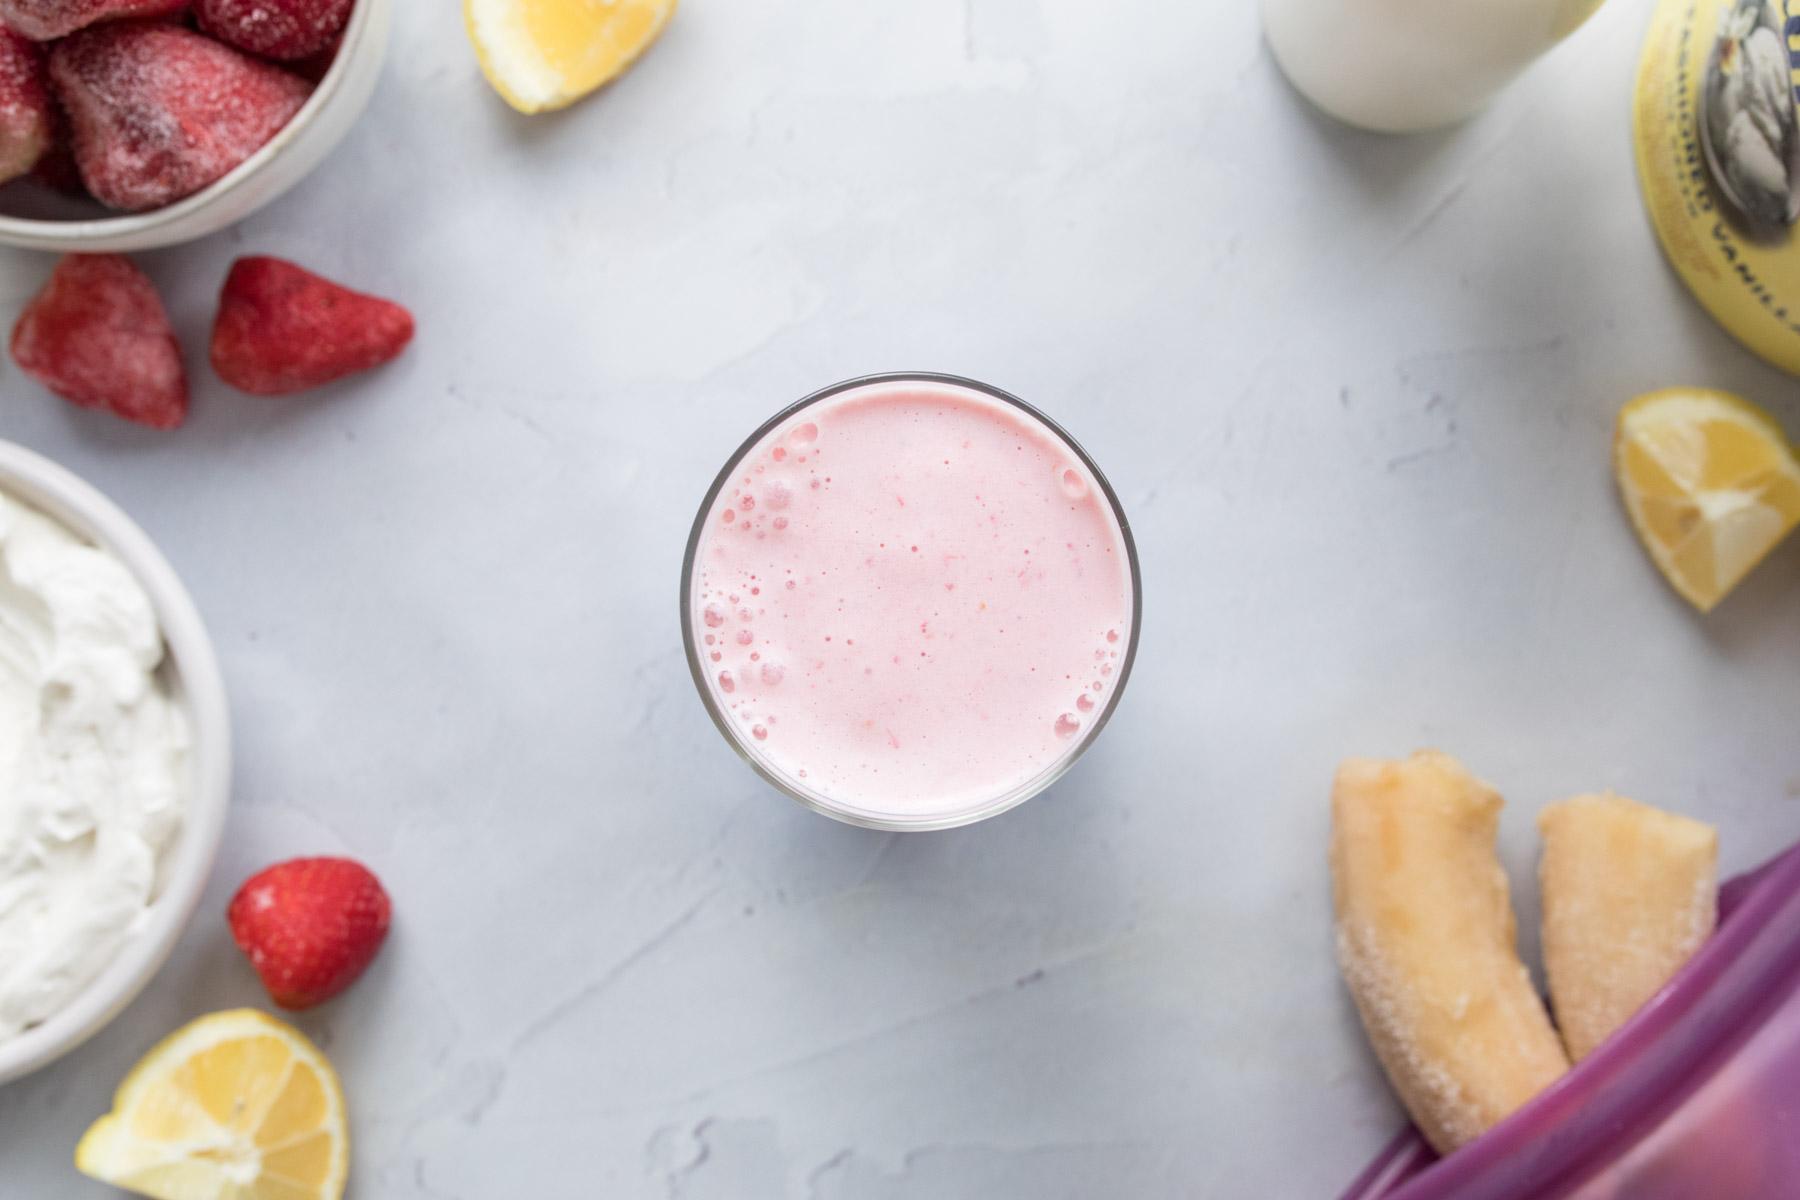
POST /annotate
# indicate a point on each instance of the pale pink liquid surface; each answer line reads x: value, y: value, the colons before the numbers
x: 911, y: 598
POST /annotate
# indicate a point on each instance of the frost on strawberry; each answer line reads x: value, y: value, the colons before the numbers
x: 284, y: 29
x: 282, y: 329
x: 43, y: 20
x: 27, y: 121
x: 99, y: 337
x: 158, y: 112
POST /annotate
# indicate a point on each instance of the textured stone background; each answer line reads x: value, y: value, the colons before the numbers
x: 1356, y: 394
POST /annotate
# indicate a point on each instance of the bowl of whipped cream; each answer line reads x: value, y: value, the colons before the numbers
x: 115, y: 760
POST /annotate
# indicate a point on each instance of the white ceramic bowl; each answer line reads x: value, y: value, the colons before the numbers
x: 192, y: 672
x: 70, y: 226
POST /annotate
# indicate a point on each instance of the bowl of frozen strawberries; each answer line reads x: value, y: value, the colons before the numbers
x: 132, y: 124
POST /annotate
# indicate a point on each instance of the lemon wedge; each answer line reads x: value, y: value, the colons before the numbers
x: 235, y: 1106
x: 543, y: 55
x: 1711, y: 483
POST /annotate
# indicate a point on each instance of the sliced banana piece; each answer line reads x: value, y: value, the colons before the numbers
x: 1629, y: 893
x: 1427, y: 943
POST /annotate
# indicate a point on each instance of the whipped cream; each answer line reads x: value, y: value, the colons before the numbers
x: 93, y: 763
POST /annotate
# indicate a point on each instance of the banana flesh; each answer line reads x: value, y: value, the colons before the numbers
x: 1629, y: 893
x: 1426, y: 940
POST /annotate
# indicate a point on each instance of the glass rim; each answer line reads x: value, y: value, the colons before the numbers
x: 872, y: 818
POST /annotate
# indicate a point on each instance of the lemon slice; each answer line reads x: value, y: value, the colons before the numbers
x: 1711, y: 483
x: 235, y: 1106
x: 546, y: 54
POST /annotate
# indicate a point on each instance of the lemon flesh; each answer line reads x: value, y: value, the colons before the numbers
x: 543, y: 55
x: 235, y: 1106
x: 1712, y: 486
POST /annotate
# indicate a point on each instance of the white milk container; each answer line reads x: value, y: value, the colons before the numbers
x: 1405, y: 65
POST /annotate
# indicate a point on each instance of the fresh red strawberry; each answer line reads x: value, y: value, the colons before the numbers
x: 27, y: 120
x: 283, y: 329
x: 310, y: 926
x: 43, y: 20
x: 159, y: 112
x: 283, y: 29
x: 98, y: 336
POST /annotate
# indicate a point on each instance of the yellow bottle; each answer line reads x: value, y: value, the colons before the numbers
x: 1717, y: 128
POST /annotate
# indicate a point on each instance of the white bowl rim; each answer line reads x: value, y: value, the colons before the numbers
x: 72, y: 235
x: 194, y: 666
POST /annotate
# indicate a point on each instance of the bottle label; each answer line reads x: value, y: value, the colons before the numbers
x: 1717, y: 128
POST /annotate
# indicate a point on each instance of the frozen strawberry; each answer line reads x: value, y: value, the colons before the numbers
x: 159, y: 112
x: 283, y: 329
x: 310, y: 926
x: 56, y: 169
x: 283, y: 29
x: 315, y: 67
x: 43, y: 20
x: 26, y: 115
x: 98, y: 336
